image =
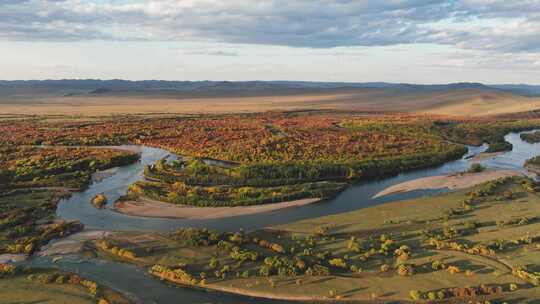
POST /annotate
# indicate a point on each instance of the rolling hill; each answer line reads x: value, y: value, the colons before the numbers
x: 105, y: 97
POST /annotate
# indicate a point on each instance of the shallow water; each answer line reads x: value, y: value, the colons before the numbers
x: 135, y: 282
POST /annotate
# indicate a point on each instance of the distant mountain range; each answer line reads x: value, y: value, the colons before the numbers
x: 93, y: 86
x: 520, y: 89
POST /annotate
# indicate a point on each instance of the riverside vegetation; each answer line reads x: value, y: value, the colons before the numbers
x: 531, y: 138
x: 477, y: 132
x: 55, y: 286
x: 32, y: 182
x: 33, y: 166
x: 304, y: 156
x: 270, y: 157
x: 480, y: 244
x: 238, y: 160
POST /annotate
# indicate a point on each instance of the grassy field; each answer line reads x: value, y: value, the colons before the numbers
x: 483, y: 239
x: 50, y: 286
x: 463, y: 102
x: 32, y: 292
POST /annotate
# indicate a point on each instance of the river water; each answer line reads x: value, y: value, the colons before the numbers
x: 140, y: 286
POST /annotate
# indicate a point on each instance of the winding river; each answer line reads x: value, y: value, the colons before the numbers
x: 135, y: 283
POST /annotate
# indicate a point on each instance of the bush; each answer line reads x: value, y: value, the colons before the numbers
x: 339, y: 263
x: 453, y: 269
x: 437, y: 265
x: 499, y: 147
x: 513, y: 287
x: 476, y: 168
x: 441, y: 295
x: 99, y: 201
x: 405, y: 270
x: 7, y: 270
x: 177, y: 275
x: 415, y: 295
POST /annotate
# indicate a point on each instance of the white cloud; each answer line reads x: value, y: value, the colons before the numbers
x: 491, y: 34
x: 298, y: 23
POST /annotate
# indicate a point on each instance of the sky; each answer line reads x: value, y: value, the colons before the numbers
x: 412, y: 41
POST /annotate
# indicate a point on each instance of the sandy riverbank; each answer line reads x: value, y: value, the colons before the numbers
x: 149, y: 208
x: 485, y: 155
x: 72, y: 244
x: 281, y: 296
x: 452, y: 181
x: 101, y: 175
x: 12, y: 258
x: 533, y: 169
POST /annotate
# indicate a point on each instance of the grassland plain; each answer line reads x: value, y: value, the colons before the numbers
x: 51, y: 286
x: 465, y: 101
x: 475, y: 244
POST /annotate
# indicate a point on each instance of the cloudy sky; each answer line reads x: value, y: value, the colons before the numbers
x: 416, y: 41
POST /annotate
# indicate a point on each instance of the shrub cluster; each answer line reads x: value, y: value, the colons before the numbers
x: 176, y: 275
x: 115, y: 250
x: 529, y: 276
x: 99, y: 201
x: 478, y: 249
x: 458, y: 292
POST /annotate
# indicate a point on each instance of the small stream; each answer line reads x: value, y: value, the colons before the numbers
x: 136, y: 283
